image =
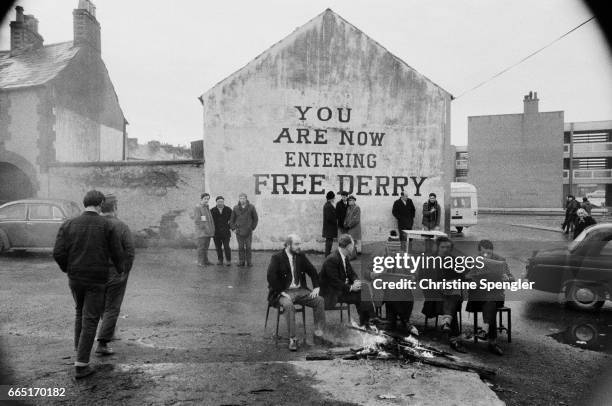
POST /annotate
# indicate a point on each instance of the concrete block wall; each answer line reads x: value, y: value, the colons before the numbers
x: 156, y: 199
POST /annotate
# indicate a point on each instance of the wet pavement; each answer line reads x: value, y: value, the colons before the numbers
x: 184, y: 329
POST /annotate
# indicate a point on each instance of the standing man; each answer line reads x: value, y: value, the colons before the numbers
x: 117, y: 282
x: 205, y: 229
x: 571, y: 207
x: 84, y: 247
x: 340, y: 284
x: 330, y: 222
x: 221, y: 215
x: 588, y: 206
x: 287, y: 286
x: 431, y: 218
x: 341, y: 208
x: 244, y: 221
x: 403, y: 211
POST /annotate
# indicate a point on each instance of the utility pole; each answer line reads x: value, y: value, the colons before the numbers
x: 571, y: 158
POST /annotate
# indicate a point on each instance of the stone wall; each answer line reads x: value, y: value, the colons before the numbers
x: 155, y: 199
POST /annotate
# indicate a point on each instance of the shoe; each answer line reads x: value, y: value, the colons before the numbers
x: 495, y: 349
x: 446, y: 326
x: 200, y: 263
x: 229, y: 263
x: 240, y: 264
x: 293, y: 344
x: 207, y: 263
x: 413, y: 330
x: 249, y: 264
x: 481, y: 334
x: 457, y: 346
x: 82, y: 372
x: 104, y: 349
x: 220, y: 263
x: 322, y: 341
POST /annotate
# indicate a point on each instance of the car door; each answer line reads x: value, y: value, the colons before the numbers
x: 13, y: 224
x: 44, y: 220
x: 597, y: 264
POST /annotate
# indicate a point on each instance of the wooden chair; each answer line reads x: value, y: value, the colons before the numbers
x: 342, y: 307
x: 298, y: 309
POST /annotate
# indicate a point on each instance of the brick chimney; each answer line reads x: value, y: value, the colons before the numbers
x: 86, y: 26
x: 24, y: 33
x: 530, y: 103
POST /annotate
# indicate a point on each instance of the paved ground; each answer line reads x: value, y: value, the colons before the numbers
x: 196, y: 336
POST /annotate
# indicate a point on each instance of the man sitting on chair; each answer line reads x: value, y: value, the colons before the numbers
x: 287, y: 286
x: 340, y: 284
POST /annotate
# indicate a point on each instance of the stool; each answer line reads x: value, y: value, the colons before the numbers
x: 378, y: 311
x: 341, y: 307
x: 500, y: 326
x: 436, y: 326
x: 300, y: 309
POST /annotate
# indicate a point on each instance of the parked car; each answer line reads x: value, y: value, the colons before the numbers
x: 583, y: 270
x: 33, y: 223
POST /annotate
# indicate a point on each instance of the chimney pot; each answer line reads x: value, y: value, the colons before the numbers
x: 19, y: 16
x: 24, y: 32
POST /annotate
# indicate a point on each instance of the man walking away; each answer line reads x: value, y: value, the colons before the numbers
x: 117, y: 282
x: 221, y: 215
x: 330, y: 222
x: 84, y: 247
x: 287, y: 286
x: 403, y: 211
x: 341, y: 208
x: 244, y: 221
x: 205, y: 229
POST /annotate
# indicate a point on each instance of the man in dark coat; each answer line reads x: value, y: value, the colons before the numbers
x: 330, y: 222
x: 583, y: 220
x: 84, y: 249
x: 117, y: 282
x: 221, y: 215
x: 287, y: 286
x: 495, y: 270
x: 571, y: 207
x: 341, y: 208
x: 244, y: 221
x: 340, y: 283
x: 403, y: 211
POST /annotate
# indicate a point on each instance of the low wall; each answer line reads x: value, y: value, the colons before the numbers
x: 155, y: 198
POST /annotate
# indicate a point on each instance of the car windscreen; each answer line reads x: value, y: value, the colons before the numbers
x: 463, y: 202
x: 574, y: 244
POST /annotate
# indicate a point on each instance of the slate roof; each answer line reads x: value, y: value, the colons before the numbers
x: 35, y: 67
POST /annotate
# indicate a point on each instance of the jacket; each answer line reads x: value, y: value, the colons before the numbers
x: 587, y: 206
x: 570, y: 209
x: 352, y: 222
x: 334, y: 280
x: 579, y: 226
x: 431, y: 220
x: 495, y: 270
x: 404, y: 214
x: 205, y: 227
x: 330, y: 221
x: 244, y: 219
x: 85, y: 246
x: 341, y: 213
x: 221, y: 221
x: 127, y: 250
x: 280, y: 276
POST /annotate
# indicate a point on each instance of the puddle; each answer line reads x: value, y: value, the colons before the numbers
x: 588, y: 335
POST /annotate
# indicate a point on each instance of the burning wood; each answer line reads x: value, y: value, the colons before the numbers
x: 385, y: 345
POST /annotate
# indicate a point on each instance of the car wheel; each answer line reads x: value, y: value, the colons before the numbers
x: 459, y: 229
x: 584, y: 297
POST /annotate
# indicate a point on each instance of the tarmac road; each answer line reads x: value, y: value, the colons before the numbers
x: 196, y: 336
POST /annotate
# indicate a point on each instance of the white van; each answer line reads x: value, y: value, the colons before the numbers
x: 463, y: 205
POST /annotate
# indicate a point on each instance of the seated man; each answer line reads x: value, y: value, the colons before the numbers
x: 495, y: 270
x: 444, y: 302
x: 339, y: 282
x: 287, y: 286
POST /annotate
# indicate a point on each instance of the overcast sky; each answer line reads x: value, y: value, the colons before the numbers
x: 162, y: 55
